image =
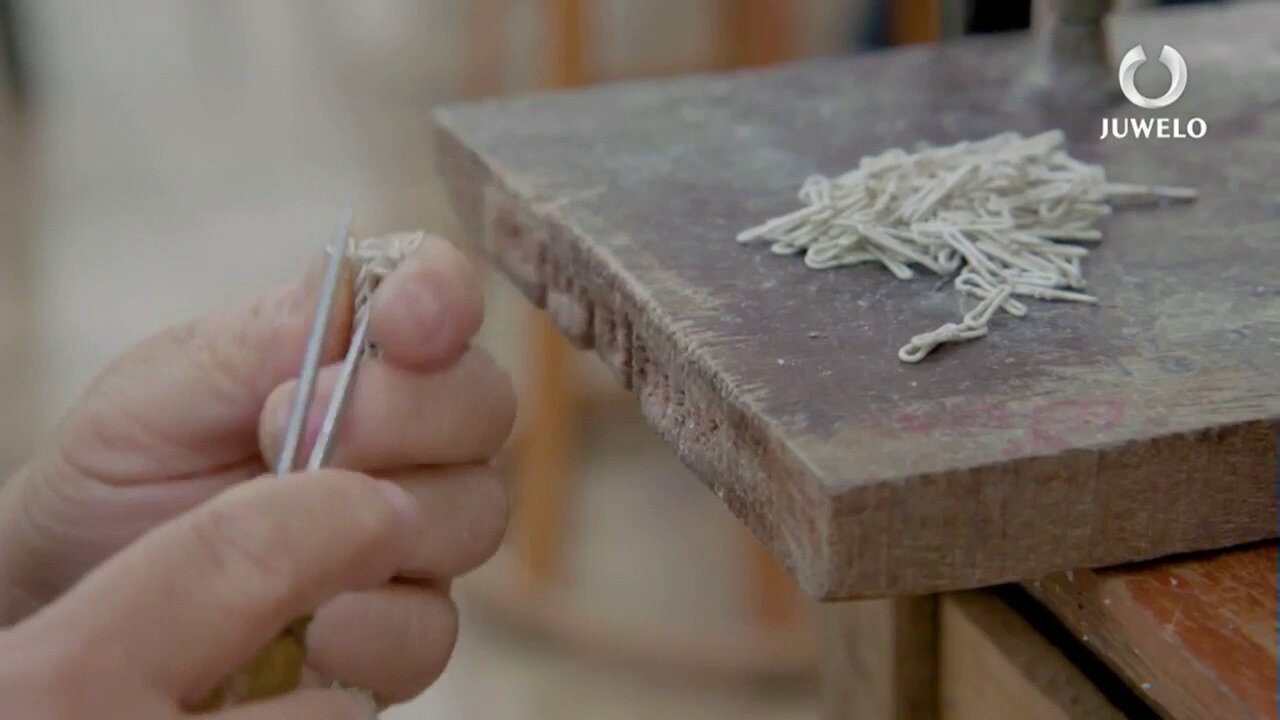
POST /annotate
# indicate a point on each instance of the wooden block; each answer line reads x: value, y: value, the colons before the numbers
x: 1195, y: 637
x: 994, y: 664
x: 1076, y: 437
x: 879, y: 659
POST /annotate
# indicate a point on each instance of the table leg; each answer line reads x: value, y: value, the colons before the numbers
x: 775, y: 600
x: 545, y: 456
x: 880, y: 659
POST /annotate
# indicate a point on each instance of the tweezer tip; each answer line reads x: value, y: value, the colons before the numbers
x: 340, y: 241
x: 315, y: 344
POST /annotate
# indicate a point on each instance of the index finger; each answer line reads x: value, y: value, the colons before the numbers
x: 426, y: 311
x: 194, y: 599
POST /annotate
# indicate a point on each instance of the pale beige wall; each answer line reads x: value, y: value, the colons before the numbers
x: 224, y: 134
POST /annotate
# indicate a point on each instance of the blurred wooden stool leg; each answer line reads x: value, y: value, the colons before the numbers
x: 483, y: 66
x: 757, y: 32
x: 915, y: 21
x: 777, y: 639
x: 753, y: 33
x: 567, y: 43
x: 545, y: 455
x: 544, y: 458
x: 776, y: 602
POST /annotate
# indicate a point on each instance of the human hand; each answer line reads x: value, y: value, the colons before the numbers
x: 153, y: 629
x: 185, y: 415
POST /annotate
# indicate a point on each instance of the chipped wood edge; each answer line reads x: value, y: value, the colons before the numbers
x: 763, y: 481
x: 720, y: 441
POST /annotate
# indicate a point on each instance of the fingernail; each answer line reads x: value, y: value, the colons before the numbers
x: 413, y: 303
x: 406, y: 507
x: 427, y: 308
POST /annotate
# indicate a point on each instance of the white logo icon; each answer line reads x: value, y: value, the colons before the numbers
x: 1171, y: 59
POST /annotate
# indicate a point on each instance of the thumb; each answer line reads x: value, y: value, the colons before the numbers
x: 194, y: 599
x: 187, y: 399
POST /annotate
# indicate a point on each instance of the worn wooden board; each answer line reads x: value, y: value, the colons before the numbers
x: 994, y: 664
x: 1195, y: 637
x: 1080, y: 436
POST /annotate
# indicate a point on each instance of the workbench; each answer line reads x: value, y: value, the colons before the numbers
x: 945, y: 514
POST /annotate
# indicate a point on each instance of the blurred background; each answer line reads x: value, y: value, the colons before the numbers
x: 160, y: 157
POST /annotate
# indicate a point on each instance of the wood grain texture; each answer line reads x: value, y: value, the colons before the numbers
x: 1077, y: 437
x: 1195, y: 637
x: 880, y: 659
x: 994, y: 664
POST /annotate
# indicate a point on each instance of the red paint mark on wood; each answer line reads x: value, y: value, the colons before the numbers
x: 1060, y: 424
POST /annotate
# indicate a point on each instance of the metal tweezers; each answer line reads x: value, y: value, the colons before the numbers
x: 320, y: 453
x: 311, y: 359
x: 286, y: 463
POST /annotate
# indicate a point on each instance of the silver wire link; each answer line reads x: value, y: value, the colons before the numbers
x: 1009, y: 212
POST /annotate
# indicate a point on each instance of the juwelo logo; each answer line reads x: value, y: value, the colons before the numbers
x: 1162, y: 128
x: 1171, y: 59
